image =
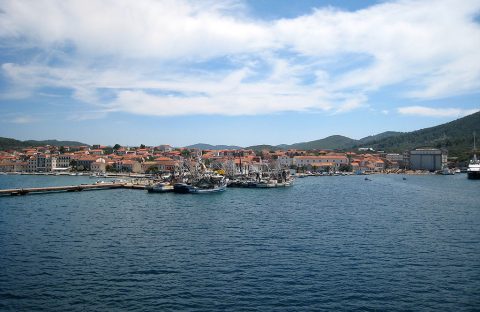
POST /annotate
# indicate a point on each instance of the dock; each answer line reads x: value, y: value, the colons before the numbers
x: 69, y: 188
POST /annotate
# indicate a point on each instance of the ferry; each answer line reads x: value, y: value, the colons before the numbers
x: 473, y: 171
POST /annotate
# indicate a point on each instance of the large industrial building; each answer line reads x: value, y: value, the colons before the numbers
x: 431, y: 159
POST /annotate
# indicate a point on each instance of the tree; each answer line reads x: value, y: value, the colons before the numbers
x: 152, y: 170
x: 62, y: 149
x: 345, y: 168
x: 185, y: 153
x: 107, y: 150
x: 109, y: 168
x: 117, y: 146
x: 142, y: 146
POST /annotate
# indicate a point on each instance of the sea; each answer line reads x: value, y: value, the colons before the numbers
x: 337, y: 243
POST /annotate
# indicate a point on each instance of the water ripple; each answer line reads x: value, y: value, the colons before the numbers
x: 329, y: 243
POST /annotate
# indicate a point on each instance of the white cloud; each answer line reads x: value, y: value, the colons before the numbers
x: 168, y: 29
x: 434, y: 43
x: 435, y: 112
x: 22, y: 120
x: 149, y: 54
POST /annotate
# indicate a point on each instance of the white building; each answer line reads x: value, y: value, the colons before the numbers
x: 64, y: 160
x: 41, y: 163
x: 285, y: 161
x: 305, y: 161
x: 100, y: 165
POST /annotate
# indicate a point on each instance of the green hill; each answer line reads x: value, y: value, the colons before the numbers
x: 263, y: 147
x: 456, y: 136
x: 380, y: 136
x: 8, y: 143
x: 329, y: 143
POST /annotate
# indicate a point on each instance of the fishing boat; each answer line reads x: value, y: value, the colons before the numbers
x: 205, y: 184
x: 473, y: 171
x: 160, y: 187
x: 446, y: 171
x: 184, y: 188
x: 266, y: 184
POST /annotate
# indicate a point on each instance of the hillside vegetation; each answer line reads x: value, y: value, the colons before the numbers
x: 456, y: 136
x: 8, y: 143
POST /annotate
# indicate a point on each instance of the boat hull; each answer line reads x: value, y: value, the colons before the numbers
x: 163, y: 189
x: 209, y: 191
x: 181, y: 188
x: 473, y: 175
x: 190, y: 189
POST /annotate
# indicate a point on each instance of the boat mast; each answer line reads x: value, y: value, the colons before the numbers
x: 474, y: 149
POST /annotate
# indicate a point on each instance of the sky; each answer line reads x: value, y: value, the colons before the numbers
x: 234, y: 72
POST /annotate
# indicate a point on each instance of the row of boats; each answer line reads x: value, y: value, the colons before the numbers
x: 210, y: 182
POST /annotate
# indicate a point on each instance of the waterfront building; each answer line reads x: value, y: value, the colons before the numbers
x: 41, y: 163
x: 397, y: 160
x: 431, y: 159
x: 64, y: 160
x: 165, y: 164
x: 285, y: 161
x: 129, y: 166
x: 148, y: 165
x: 333, y: 161
x: 100, y: 165
x: 7, y: 166
x: 379, y: 165
x: 85, y: 162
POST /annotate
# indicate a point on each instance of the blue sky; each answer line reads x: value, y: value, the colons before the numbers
x: 234, y: 72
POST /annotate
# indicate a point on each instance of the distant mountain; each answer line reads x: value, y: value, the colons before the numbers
x: 204, y: 146
x: 266, y: 147
x: 8, y: 143
x: 54, y: 143
x: 456, y: 136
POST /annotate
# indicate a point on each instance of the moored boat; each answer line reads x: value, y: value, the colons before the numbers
x: 161, y: 187
x: 473, y: 171
x: 183, y: 188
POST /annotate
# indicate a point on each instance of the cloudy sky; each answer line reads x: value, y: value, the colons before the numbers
x: 234, y: 72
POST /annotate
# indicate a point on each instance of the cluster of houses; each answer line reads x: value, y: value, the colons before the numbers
x: 164, y: 158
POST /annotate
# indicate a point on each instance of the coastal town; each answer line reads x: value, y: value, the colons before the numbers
x: 99, y: 159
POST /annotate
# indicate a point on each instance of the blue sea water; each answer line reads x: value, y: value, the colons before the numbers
x: 328, y: 243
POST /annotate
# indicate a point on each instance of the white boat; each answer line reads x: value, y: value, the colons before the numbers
x: 473, y: 171
x: 266, y: 184
x: 446, y: 171
x: 214, y: 189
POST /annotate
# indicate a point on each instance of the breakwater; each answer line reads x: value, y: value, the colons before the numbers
x: 68, y: 188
